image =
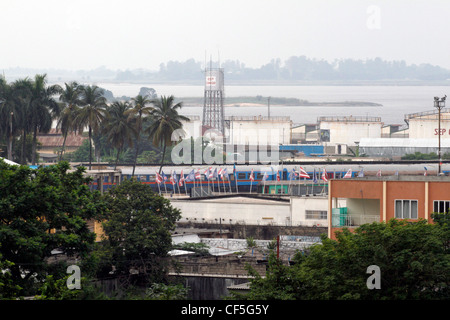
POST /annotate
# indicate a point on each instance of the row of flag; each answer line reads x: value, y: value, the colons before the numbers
x: 222, y: 173
x: 192, y: 176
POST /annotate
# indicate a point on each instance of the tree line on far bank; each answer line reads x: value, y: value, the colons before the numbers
x: 30, y: 106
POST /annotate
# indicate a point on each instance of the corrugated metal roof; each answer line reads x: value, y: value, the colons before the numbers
x: 55, y: 139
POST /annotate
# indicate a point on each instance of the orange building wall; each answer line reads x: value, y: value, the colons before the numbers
x: 424, y: 191
x: 350, y: 189
x: 405, y: 190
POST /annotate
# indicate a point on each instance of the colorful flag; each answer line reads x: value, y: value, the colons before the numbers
x: 191, y: 176
x: 292, y: 174
x: 425, y: 172
x: 348, y: 174
x: 303, y: 173
x: 252, y: 178
x: 278, y: 176
x: 224, y: 174
x: 265, y: 176
x: 214, y: 174
x: 379, y: 173
x: 314, y: 176
x: 324, y: 175
x: 159, y: 179
x: 198, y: 175
x: 208, y: 173
x: 173, y: 178
x: 180, y: 182
x: 361, y: 173
x: 164, y: 177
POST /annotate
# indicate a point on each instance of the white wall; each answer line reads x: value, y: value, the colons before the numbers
x: 259, y: 131
x: 342, y: 132
x: 234, y: 210
x: 193, y: 128
x: 422, y: 128
x: 253, y: 211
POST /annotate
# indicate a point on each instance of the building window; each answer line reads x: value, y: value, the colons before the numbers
x: 441, y: 206
x: 315, y: 214
x: 242, y: 176
x: 406, y: 209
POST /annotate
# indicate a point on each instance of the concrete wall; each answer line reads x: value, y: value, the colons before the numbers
x: 259, y: 130
x: 234, y: 210
x: 348, y: 132
x: 253, y: 211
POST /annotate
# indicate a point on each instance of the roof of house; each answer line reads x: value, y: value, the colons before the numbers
x: 55, y: 139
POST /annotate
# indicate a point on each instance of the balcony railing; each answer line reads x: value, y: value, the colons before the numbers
x: 346, y: 220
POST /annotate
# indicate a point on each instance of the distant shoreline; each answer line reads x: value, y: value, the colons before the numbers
x: 275, y: 102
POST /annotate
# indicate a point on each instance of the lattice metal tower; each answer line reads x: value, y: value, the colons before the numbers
x: 213, y: 111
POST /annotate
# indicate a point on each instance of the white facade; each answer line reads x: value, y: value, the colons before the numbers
x: 350, y: 130
x: 299, y: 211
x: 427, y: 126
x: 192, y: 128
x: 259, y: 130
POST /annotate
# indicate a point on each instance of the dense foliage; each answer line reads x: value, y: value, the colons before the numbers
x: 137, y: 225
x: 414, y: 262
x: 44, y: 216
x: 42, y: 210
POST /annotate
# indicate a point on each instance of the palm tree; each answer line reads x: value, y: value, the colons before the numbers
x: 91, y: 114
x: 164, y: 121
x: 140, y: 110
x: 10, y: 112
x: 22, y: 113
x: 118, y: 128
x: 71, y: 99
x: 43, y: 108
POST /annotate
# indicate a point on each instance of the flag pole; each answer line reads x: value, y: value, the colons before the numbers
x: 251, y: 181
x: 223, y: 183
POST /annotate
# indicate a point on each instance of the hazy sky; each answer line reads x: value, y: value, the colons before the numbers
x: 142, y: 34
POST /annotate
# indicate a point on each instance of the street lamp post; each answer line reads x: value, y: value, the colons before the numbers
x: 439, y: 104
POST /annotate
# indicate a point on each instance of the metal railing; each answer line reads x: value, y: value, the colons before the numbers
x: 349, y: 119
x: 346, y: 220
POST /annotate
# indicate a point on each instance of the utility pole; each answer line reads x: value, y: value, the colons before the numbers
x: 439, y: 104
x: 278, y: 247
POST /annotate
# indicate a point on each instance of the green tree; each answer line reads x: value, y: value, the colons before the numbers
x: 165, y: 119
x: 43, y: 108
x: 118, y: 129
x: 139, y: 113
x: 41, y: 210
x: 10, y: 113
x: 70, y: 97
x: 91, y: 114
x: 413, y: 258
x: 137, y: 229
x: 8, y: 290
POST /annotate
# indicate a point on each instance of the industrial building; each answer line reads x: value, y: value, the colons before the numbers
x: 420, y: 135
x: 258, y: 130
x: 287, y: 211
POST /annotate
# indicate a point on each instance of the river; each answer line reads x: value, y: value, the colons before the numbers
x: 396, y: 101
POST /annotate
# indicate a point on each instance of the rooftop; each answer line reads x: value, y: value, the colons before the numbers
x: 402, y: 178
